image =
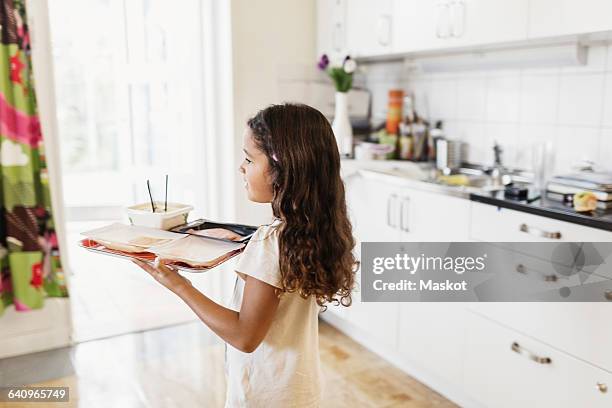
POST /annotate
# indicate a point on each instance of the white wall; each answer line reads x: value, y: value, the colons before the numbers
x: 269, y: 37
x: 571, y: 106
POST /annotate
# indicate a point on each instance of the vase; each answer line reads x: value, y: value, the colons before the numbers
x: 342, y: 125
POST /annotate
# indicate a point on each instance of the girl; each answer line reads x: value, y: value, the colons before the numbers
x: 289, y: 269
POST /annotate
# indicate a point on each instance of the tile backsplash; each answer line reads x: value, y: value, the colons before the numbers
x: 569, y: 106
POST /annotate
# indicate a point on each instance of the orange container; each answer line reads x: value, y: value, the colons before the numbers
x: 394, y: 110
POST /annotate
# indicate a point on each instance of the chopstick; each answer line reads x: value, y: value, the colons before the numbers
x: 150, y: 196
x: 166, y: 198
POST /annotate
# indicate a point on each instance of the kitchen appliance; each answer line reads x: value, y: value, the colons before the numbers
x: 449, y: 154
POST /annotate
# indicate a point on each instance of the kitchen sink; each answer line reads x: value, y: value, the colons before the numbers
x: 460, y: 182
x: 469, y: 178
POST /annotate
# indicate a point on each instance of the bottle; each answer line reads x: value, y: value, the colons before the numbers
x: 420, y: 139
x: 406, y: 141
x: 394, y: 110
x: 435, y: 134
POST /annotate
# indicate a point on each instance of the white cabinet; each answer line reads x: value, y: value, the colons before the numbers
x: 433, y: 336
x: 421, y: 25
x: 369, y: 27
x: 504, y: 368
x: 495, y: 224
x: 331, y: 29
x: 579, y: 329
x: 549, y: 18
x: 372, y: 209
x: 480, y: 22
x: 426, y: 24
x: 390, y: 211
x: 420, y: 332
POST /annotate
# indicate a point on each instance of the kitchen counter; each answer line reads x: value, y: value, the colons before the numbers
x: 416, y: 175
x: 599, y: 218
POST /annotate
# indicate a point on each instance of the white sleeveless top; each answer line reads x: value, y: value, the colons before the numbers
x: 284, y: 371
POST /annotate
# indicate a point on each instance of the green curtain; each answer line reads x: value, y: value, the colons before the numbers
x: 30, y: 265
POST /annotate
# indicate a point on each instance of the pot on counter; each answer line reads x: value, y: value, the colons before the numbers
x: 449, y: 154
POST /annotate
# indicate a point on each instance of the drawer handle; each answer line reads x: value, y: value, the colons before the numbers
x: 538, y: 232
x: 540, y: 360
x: 603, y: 388
x: 404, y: 221
x: 391, y: 201
x: 520, y: 268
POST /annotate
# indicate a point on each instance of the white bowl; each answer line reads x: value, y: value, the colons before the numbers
x: 141, y: 214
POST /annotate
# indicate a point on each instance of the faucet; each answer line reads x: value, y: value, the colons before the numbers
x: 497, y: 151
x: 498, y: 171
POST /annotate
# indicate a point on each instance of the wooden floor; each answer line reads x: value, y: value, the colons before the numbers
x: 182, y: 366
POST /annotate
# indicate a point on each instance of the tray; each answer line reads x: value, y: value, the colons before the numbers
x: 148, y: 257
x: 245, y: 231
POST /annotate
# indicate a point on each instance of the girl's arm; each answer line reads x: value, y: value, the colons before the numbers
x: 244, y: 330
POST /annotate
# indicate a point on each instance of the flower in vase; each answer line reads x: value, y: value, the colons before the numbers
x: 342, y: 75
x: 323, y: 62
x: 349, y: 65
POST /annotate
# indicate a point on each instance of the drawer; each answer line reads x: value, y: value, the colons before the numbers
x: 581, y: 329
x: 539, y: 279
x: 517, y: 272
x: 506, y: 369
x: 496, y: 224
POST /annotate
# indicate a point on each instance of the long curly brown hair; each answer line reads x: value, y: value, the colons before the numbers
x: 315, y: 237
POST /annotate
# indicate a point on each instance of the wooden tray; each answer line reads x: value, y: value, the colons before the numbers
x: 148, y: 257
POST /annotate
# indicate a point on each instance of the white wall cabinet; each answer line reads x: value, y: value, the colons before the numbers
x: 331, y: 29
x: 366, y: 28
x: 482, y: 22
x: 421, y: 25
x: 550, y: 18
x: 369, y: 27
x: 424, y: 24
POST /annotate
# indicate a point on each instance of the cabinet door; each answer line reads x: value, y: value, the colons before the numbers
x: 421, y: 25
x: 549, y: 18
x: 369, y: 27
x: 495, y: 224
x: 427, y: 24
x: 373, y: 209
x: 504, y: 368
x: 433, y: 335
x: 476, y: 22
x: 331, y: 29
x: 437, y: 217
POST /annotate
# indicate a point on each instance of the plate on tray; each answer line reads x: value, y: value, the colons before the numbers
x: 97, y: 247
x: 217, y: 230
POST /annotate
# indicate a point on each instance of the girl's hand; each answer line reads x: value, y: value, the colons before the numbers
x: 164, y: 274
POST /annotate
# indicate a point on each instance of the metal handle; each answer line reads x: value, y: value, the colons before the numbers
x: 534, y: 357
x: 458, y: 12
x: 384, y: 30
x: 336, y: 36
x: 603, y: 388
x: 389, y: 211
x: 538, y: 232
x: 405, y: 228
x: 520, y: 268
x: 443, y: 11
x: 390, y: 201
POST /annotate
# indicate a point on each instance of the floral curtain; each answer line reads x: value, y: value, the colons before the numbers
x: 30, y: 266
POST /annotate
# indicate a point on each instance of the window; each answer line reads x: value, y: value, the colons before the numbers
x: 129, y: 99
